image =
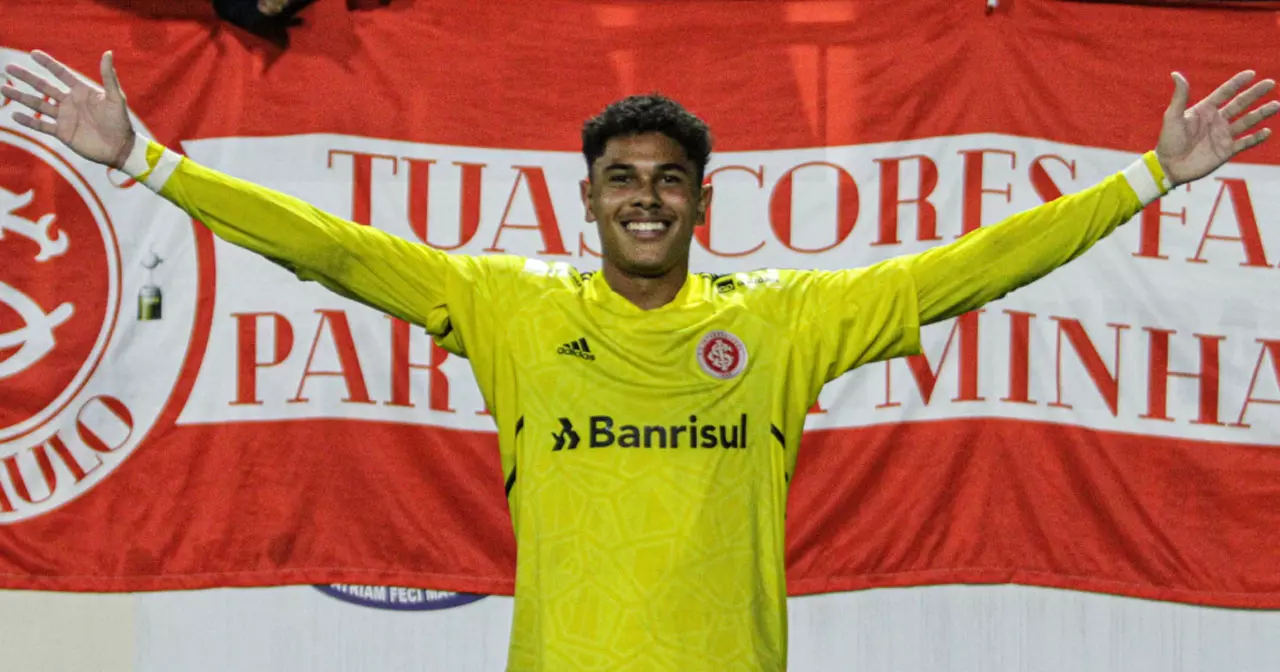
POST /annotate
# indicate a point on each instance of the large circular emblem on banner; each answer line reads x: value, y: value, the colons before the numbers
x: 97, y: 310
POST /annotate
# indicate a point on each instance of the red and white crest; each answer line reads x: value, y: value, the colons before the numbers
x: 722, y: 355
x: 82, y: 378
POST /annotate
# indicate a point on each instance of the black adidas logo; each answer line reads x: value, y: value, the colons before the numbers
x: 578, y: 348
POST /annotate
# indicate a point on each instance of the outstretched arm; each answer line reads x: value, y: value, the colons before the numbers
x: 408, y: 280
x: 991, y: 262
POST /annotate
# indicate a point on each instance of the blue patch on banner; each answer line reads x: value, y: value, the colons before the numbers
x: 396, y: 598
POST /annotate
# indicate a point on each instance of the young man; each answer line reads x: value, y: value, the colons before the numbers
x: 647, y: 472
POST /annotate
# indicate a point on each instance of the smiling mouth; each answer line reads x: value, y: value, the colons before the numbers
x: 647, y: 229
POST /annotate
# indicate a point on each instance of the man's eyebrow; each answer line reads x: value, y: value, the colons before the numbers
x: 628, y: 167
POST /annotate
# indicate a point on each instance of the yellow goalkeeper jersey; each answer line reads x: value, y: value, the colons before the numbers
x: 647, y: 454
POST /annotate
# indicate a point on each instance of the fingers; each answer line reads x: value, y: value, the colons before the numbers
x: 111, y: 83
x: 36, y: 103
x: 1249, y: 141
x: 1228, y: 89
x: 1246, y: 100
x: 1252, y: 119
x: 56, y: 69
x: 1181, y: 91
x: 36, y: 82
x: 34, y: 124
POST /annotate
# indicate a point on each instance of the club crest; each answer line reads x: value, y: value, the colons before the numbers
x: 722, y: 355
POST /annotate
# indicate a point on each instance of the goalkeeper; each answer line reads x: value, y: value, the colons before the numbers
x: 649, y: 417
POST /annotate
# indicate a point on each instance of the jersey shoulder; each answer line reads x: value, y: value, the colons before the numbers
x: 528, y: 276
x: 771, y: 293
x: 761, y: 284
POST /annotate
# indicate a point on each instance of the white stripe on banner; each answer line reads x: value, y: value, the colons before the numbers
x: 1115, y: 341
x: 923, y: 629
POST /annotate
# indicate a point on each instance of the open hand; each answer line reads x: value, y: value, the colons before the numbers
x: 93, y: 122
x: 1195, y: 142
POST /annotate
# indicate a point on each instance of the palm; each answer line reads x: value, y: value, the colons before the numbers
x: 93, y: 122
x: 90, y: 125
x: 1194, y: 142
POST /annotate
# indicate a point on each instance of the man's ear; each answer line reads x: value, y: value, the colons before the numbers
x: 704, y: 204
x: 584, y: 186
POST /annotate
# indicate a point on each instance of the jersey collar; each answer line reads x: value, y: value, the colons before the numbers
x: 598, y: 291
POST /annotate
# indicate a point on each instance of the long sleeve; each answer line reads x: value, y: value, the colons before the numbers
x: 991, y: 262
x: 414, y: 282
x: 848, y: 318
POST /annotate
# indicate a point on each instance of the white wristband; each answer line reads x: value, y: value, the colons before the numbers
x: 1139, y: 177
x: 136, y: 164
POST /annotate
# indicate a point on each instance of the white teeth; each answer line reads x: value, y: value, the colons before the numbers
x: 645, y: 226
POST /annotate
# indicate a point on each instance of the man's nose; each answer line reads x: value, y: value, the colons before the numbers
x: 647, y: 195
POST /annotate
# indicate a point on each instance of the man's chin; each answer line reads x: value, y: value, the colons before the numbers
x: 646, y: 268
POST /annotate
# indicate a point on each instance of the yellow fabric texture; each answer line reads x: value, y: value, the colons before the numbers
x: 649, y: 495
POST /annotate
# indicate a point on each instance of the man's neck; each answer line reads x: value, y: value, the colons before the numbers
x: 646, y: 293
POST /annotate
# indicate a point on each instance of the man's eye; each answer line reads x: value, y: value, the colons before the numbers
x: 672, y: 179
x: 619, y: 179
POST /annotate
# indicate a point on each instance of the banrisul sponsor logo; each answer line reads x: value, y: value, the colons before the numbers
x: 397, y: 598
x: 604, y: 431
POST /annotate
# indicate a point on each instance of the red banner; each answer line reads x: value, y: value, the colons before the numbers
x: 176, y: 413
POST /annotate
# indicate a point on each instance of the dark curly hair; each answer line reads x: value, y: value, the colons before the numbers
x: 646, y: 114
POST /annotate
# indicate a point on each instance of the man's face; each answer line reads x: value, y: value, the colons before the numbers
x: 645, y: 197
